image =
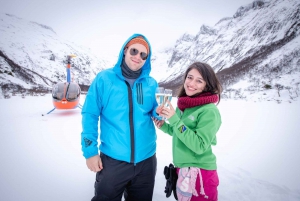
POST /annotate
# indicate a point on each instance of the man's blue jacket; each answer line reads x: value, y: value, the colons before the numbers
x: 127, y: 132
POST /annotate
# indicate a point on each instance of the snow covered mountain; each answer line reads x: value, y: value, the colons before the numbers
x: 33, y: 57
x: 256, y: 52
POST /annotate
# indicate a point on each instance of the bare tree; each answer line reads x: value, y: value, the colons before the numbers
x: 289, y: 89
x: 229, y: 91
x: 279, y: 87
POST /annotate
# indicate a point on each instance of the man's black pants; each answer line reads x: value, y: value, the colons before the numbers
x: 136, y: 181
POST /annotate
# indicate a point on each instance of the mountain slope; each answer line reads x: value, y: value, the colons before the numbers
x: 33, y: 56
x: 255, y: 51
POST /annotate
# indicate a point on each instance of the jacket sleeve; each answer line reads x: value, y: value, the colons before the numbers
x: 90, y: 117
x: 199, y: 139
x: 166, y: 128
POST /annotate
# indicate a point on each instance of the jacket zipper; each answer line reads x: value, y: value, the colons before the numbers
x: 131, y: 122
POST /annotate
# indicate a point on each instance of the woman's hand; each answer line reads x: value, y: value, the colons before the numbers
x: 168, y: 112
x: 158, y: 123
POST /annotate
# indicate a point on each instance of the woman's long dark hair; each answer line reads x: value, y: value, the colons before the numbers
x: 213, y: 84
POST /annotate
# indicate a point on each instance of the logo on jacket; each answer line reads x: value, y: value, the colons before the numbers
x: 191, y: 117
x: 87, y: 142
x: 182, y: 128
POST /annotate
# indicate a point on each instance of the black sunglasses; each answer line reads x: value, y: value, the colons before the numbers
x: 134, y: 51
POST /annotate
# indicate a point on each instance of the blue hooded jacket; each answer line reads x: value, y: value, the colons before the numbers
x: 127, y: 132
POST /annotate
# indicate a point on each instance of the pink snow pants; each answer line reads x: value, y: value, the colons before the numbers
x: 210, y: 182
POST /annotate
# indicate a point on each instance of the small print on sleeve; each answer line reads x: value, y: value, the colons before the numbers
x: 182, y: 128
x: 87, y: 142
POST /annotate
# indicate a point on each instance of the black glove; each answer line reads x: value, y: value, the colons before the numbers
x: 171, y: 177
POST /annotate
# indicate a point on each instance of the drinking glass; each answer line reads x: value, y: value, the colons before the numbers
x: 160, y: 95
x: 168, y: 96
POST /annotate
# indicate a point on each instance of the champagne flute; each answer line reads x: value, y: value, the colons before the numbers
x: 168, y: 96
x: 160, y: 95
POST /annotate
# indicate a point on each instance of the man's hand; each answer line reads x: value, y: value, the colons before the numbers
x: 94, y: 163
x: 158, y: 123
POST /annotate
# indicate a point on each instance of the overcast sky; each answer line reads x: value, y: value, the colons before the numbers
x: 104, y: 26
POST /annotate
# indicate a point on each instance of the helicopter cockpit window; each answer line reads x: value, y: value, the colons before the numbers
x: 58, y: 91
x: 73, y: 92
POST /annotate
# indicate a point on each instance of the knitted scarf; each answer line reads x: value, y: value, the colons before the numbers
x: 202, y: 99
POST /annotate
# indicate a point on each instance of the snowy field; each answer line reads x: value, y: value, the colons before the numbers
x: 41, y: 159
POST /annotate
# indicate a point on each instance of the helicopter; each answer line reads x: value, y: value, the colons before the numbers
x: 66, y: 95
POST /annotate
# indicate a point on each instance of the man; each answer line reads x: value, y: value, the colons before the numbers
x: 124, y: 99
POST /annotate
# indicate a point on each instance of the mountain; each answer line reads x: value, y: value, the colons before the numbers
x: 33, y: 58
x: 256, y: 51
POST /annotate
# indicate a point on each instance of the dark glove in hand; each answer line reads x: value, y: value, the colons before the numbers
x: 171, y: 177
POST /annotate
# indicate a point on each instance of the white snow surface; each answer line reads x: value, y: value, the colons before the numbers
x: 257, y: 152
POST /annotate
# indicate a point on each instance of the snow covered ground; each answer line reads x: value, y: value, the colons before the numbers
x: 41, y: 159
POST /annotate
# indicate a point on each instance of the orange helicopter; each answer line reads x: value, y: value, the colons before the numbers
x: 66, y: 95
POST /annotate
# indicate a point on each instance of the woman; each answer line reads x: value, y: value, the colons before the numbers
x: 194, y: 126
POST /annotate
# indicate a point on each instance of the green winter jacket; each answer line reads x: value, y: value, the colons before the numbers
x: 194, y: 132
